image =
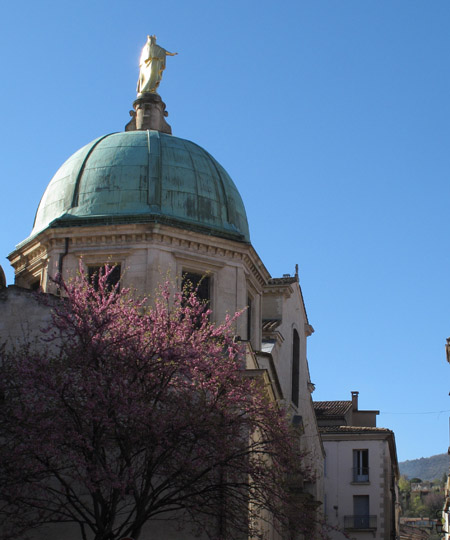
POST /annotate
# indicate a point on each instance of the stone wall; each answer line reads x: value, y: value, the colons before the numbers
x: 22, y: 315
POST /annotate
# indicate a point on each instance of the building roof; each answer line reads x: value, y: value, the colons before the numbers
x: 140, y: 176
x: 267, y: 346
x: 331, y: 409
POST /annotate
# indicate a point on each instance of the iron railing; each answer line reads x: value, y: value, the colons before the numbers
x: 360, y: 522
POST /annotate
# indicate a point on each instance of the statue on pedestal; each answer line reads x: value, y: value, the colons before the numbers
x: 151, y: 65
x: 149, y: 109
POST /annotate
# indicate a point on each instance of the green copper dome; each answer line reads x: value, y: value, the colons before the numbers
x: 144, y: 176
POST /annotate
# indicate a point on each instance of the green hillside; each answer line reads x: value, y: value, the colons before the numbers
x: 430, y: 468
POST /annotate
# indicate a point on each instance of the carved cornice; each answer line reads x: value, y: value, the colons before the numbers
x: 116, y: 239
x: 279, y: 290
x: 29, y: 260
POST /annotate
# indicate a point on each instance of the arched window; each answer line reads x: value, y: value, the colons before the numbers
x: 295, y: 367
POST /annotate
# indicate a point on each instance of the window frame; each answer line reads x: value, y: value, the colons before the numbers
x: 205, y: 277
x: 93, y: 269
x: 361, y: 466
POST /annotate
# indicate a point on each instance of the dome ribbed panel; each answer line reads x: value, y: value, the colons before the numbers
x: 58, y: 196
x: 145, y: 174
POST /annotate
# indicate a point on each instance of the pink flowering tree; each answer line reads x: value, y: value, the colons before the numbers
x: 126, y: 414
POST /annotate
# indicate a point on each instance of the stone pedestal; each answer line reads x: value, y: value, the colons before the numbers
x: 149, y: 113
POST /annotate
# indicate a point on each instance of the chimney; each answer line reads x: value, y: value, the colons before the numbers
x: 355, y: 401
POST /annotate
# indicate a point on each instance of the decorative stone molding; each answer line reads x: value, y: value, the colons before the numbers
x: 281, y: 290
x: 123, y: 239
x: 309, y: 330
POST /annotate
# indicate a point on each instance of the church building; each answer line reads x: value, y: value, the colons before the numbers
x: 155, y: 205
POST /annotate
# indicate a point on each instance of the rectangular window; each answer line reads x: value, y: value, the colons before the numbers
x: 113, y: 278
x: 199, y: 283
x: 360, y: 466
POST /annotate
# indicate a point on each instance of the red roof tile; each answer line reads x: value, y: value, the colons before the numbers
x: 327, y: 409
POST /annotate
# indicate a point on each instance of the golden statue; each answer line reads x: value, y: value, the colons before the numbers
x: 151, y: 66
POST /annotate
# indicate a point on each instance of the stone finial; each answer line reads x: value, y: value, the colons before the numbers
x: 149, y: 113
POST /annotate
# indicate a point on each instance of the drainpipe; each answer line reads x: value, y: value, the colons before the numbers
x: 61, y: 259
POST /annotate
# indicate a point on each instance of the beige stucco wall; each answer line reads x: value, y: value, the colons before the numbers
x: 340, y: 489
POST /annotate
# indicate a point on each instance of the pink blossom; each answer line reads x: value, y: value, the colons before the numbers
x: 128, y: 413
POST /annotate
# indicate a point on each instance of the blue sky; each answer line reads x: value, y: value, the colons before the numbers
x: 333, y: 119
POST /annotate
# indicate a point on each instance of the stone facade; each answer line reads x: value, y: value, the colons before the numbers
x: 273, y: 325
x: 361, y: 472
x: 22, y: 316
x: 147, y: 255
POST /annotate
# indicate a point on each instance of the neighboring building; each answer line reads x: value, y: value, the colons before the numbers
x: 361, y: 471
x: 413, y: 532
x: 446, y: 510
x: 412, y: 528
x: 152, y: 204
x: 425, y: 523
x: 424, y: 488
